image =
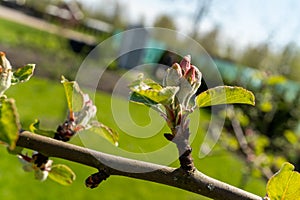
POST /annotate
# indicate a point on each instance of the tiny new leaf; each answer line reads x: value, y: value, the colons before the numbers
x: 35, y: 128
x: 62, y: 174
x: 74, y: 95
x: 9, y: 123
x: 225, y: 95
x: 105, y: 132
x: 23, y: 74
x: 285, y: 184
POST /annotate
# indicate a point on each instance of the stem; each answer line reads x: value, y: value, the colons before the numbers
x: 195, y: 182
x: 181, y: 140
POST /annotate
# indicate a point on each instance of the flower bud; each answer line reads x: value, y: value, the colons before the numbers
x: 187, y: 77
x: 193, y: 75
x: 5, y: 73
x: 173, y: 76
x: 185, y: 63
x: 4, y: 63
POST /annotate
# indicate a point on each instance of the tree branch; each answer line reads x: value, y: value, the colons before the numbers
x: 196, y: 181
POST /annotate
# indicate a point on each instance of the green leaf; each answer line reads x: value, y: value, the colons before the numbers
x: 35, y: 128
x: 143, y: 84
x: 74, y: 95
x: 162, y: 96
x: 105, y: 132
x: 23, y: 74
x: 285, y: 184
x: 153, y: 91
x: 137, y: 98
x: 9, y: 123
x: 225, y: 95
x: 62, y: 174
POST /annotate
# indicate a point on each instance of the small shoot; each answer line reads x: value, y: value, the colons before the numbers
x: 8, y: 77
x: 82, y: 115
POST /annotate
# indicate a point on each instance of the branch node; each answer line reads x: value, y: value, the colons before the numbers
x: 186, y: 160
x: 95, y: 179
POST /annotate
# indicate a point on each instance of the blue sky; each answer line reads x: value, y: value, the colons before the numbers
x: 242, y: 22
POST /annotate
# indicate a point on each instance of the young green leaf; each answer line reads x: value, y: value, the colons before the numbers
x: 162, y: 96
x: 9, y: 122
x: 153, y: 91
x: 105, y: 132
x: 137, y: 98
x: 62, y: 174
x: 74, y: 95
x: 225, y: 95
x: 23, y: 74
x: 144, y: 84
x: 35, y: 128
x: 285, y: 184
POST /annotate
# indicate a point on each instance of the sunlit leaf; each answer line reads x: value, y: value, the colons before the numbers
x: 162, y: 96
x: 285, y: 184
x: 225, y: 95
x: 74, y: 95
x: 153, y: 91
x: 35, y: 128
x: 23, y: 74
x: 105, y: 132
x: 143, y: 84
x: 62, y: 174
x: 137, y: 98
x: 9, y: 122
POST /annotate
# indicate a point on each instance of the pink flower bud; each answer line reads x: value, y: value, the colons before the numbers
x: 4, y: 63
x: 190, y: 75
x: 185, y: 63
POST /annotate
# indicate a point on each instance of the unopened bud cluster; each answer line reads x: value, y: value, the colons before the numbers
x: 187, y: 77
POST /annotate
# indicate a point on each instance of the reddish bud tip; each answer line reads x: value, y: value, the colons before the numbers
x: 190, y: 75
x: 185, y: 63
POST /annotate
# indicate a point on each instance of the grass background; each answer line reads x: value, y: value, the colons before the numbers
x: 44, y: 99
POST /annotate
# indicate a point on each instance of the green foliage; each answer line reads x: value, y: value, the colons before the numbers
x: 23, y: 74
x: 9, y: 122
x: 105, y: 132
x: 8, y: 78
x: 35, y: 128
x: 285, y: 184
x: 62, y: 174
x: 82, y: 111
x: 225, y: 95
x: 73, y: 94
x: 137, y: 98
x: 151, y: 92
